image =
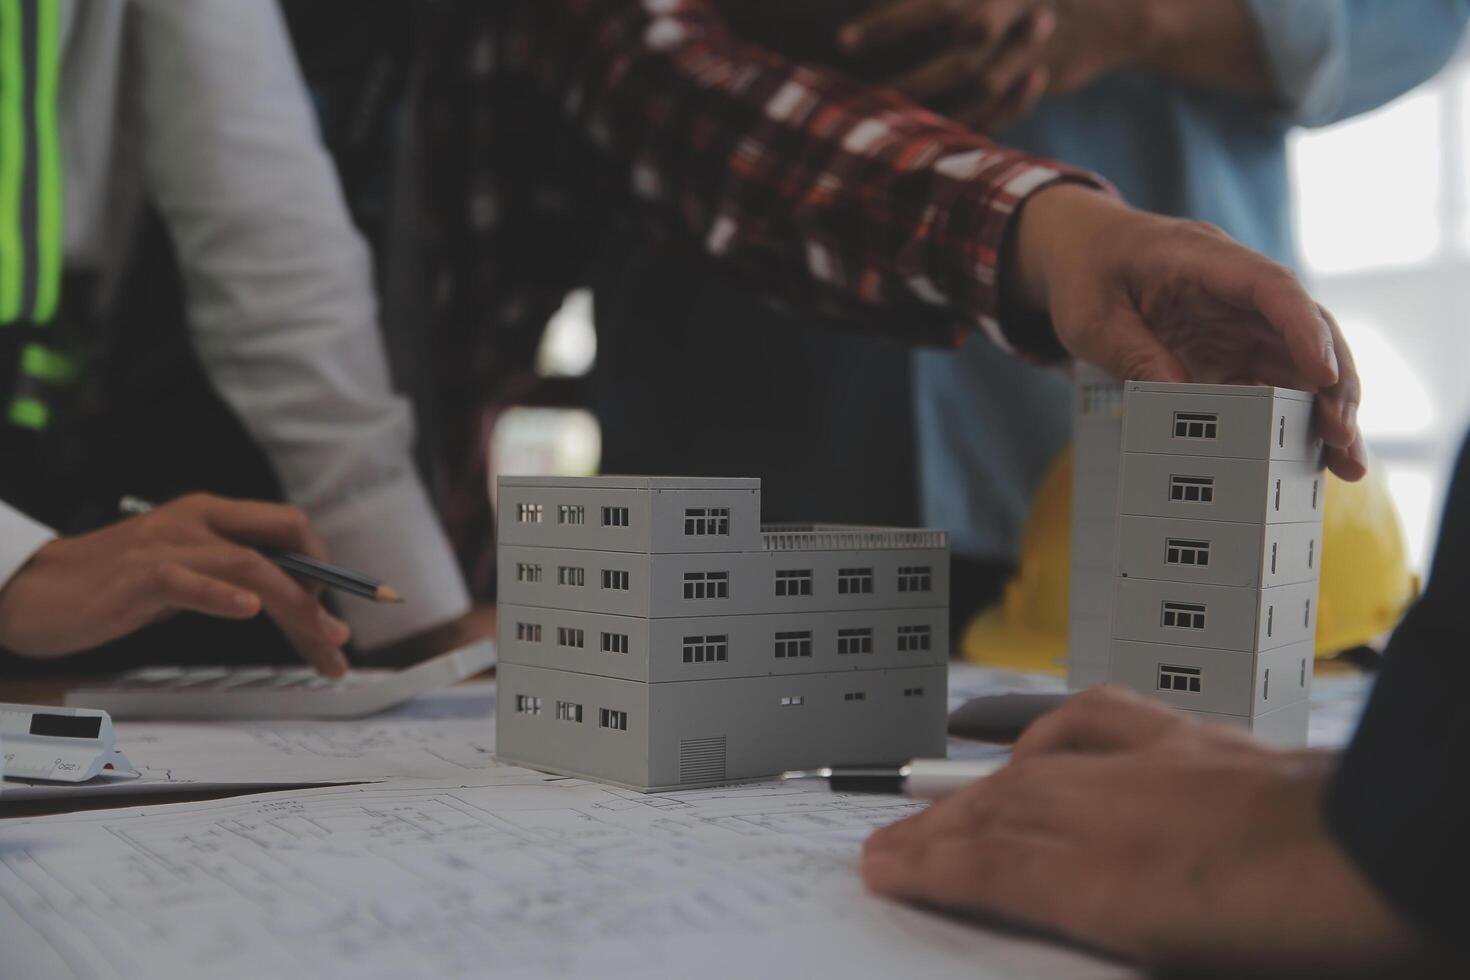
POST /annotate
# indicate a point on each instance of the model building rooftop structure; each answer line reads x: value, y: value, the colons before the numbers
x: 1196, y: 548
x: 655, y: 635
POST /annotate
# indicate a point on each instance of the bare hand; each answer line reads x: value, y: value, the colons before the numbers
x: 1150, y: 298
x: 196, y: 554
x: 984, y: 62
x: 1130, y: 828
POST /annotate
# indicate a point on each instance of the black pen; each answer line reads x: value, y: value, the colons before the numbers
x: 301, y: 565
x: 921, y: 779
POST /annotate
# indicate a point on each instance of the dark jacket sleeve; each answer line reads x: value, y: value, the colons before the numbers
x: 1400, y: 801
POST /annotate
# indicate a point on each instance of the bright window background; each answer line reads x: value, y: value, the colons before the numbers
x: 1384, y: 235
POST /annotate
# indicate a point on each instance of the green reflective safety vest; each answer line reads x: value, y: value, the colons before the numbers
x: 31, y: 226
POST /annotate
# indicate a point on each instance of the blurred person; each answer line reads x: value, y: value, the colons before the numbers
x: 1126, y: 826
x: 555, y: 122
x: 185, y: 307
x: 1184, y: 105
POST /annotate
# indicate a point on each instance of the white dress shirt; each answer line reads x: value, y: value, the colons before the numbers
x: 198, y: 106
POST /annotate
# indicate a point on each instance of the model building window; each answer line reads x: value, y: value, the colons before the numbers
x: 1196, y: 425
x: 1186, y: 679
x: 1311, y: 552
x: 615, y: 720
x: 571, y: 514
x: 707, y: 649
x: 528, y: 513
x: 794, y: 581
x: 792, y: 700
x: 1184, y: 615
x: 706, y: 585
x: 614, y: 517
x: 615, y: 579
x: 528, y: 705
x: 915, y: 578
x: 615, y: 643
x: 797, y: 643
x: 1278, y: 494
x: 912, y: 638
x: 571, y: 575
x: 855, y: 696
x: 1178, y: 551
x: 1273, y: 558
x: 854, y: 581
x: 566, y: 636
x: 913, y: 692
x: 568, y: 711
x: 854, y: 641
x: 1307, y: 614
x: 1315, y: 484
x: 1192, y: 489
x: 528, y: 632
x: 706, y: 520
x: 527, y: 572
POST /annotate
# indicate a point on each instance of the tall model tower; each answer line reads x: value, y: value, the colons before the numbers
x: 1219, y: 544
x: 654, y: 635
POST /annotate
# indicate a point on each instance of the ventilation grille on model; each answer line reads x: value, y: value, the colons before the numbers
x: 701, y: 759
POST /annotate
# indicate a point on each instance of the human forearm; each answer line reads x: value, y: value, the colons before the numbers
x: 826, y: 194
x: 280, y: 295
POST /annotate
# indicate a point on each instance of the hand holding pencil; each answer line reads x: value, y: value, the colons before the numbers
x: 196, y: 554
x: 303, y: 566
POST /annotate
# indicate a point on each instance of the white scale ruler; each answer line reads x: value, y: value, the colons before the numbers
x: 64, y: 745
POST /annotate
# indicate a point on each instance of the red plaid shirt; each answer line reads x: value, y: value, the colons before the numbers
x: 551, y: 117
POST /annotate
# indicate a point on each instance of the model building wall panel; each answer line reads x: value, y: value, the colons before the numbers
x: 1292, y: 553
x: 574, y: 724
x: 752, y: 728
x: 713, y: 647
x: 1241, y: 491
x: 1283, y: 726
x: 576, y: 579
x: 593, y: 643
x: 706, y: 521
x: 798, y: 581
x: 1193, y: 679
x: 1249, y: 423
x: 1282, y: 676
x: 1206, y: 552
x: 1186, y: 615
x: 600, y: 519
x: 1287, y: 615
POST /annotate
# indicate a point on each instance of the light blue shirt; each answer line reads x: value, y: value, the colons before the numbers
x: 990, y: 426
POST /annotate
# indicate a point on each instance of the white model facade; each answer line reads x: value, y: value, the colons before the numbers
x: 653, y: 635
x: 1216, y: 553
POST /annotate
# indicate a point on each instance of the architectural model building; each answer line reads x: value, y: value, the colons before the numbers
x: 1216, y: 551
x: 653, y: 635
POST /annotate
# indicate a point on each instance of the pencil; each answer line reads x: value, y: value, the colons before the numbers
x: 301, y: 565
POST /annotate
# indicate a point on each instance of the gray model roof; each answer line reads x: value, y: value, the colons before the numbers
x: 845, y: 537
x: 634, y: 482
x: 1241, y: 391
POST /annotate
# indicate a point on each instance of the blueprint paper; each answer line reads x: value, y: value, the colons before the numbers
x: 515, y: 876
x: 449, y: 734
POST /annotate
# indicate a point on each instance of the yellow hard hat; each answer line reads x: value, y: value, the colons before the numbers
x: 1366, y: 584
